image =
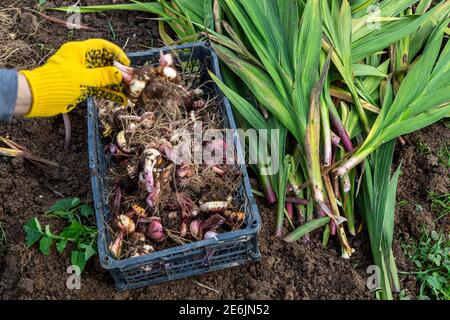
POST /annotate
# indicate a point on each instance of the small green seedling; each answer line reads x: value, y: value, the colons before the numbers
x: 423, y: 148
x: 444, y: 155
x: 79, y: 231
x: 404, y: 295
x: 431, y: 257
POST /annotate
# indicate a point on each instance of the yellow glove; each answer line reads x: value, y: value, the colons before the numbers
x: 77, y: 70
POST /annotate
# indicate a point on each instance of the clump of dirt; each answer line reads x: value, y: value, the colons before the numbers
x: 15, y: 52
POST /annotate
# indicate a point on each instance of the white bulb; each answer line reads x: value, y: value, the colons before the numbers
x: 170, y: 73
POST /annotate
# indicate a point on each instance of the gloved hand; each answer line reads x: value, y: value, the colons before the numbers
x: 76, y: 71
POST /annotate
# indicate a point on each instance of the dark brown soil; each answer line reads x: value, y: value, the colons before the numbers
x: 286, y: 271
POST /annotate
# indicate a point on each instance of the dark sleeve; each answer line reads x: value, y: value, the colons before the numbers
x: 8, y: 93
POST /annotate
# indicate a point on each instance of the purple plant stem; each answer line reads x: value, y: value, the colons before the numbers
x: 290, y: 210
x: 333, y: 228
x: 292, y: 200
x: 335, y: 140
x: 322, y: 213
x: 341, y: 132
x: 271, y: 198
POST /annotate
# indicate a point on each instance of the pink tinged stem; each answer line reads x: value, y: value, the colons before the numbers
x: 271, y: 198
x: 324, y: 211
x: 128, y: 73
x: 346, y: 167
x: 353, y: 161
x: 297, y: 201
x: 67, y: 131
x: 333, y: 228
x: 342, y: 133
x: 335, y: 139
x: 290, y: 210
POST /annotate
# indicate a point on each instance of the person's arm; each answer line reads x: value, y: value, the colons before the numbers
x: 24, y: 98
x: 8, y: 93
x: 15, y: 95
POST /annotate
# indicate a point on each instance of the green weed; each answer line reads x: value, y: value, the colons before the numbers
x: 444, y: 155
x: 423, y: 148
x: 79, y: 231
x: 440, y: 204
x: 431, y: 257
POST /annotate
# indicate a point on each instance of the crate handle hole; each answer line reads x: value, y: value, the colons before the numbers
x: 121, y: 285
x: 254, y: 255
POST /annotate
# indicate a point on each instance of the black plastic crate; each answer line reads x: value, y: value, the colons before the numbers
x: 228, y: 250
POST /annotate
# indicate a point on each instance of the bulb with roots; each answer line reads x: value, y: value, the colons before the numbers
x: 136, y: 79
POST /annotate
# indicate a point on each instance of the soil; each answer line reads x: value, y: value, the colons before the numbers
x: 286, y: 271
x: 423, y: 171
